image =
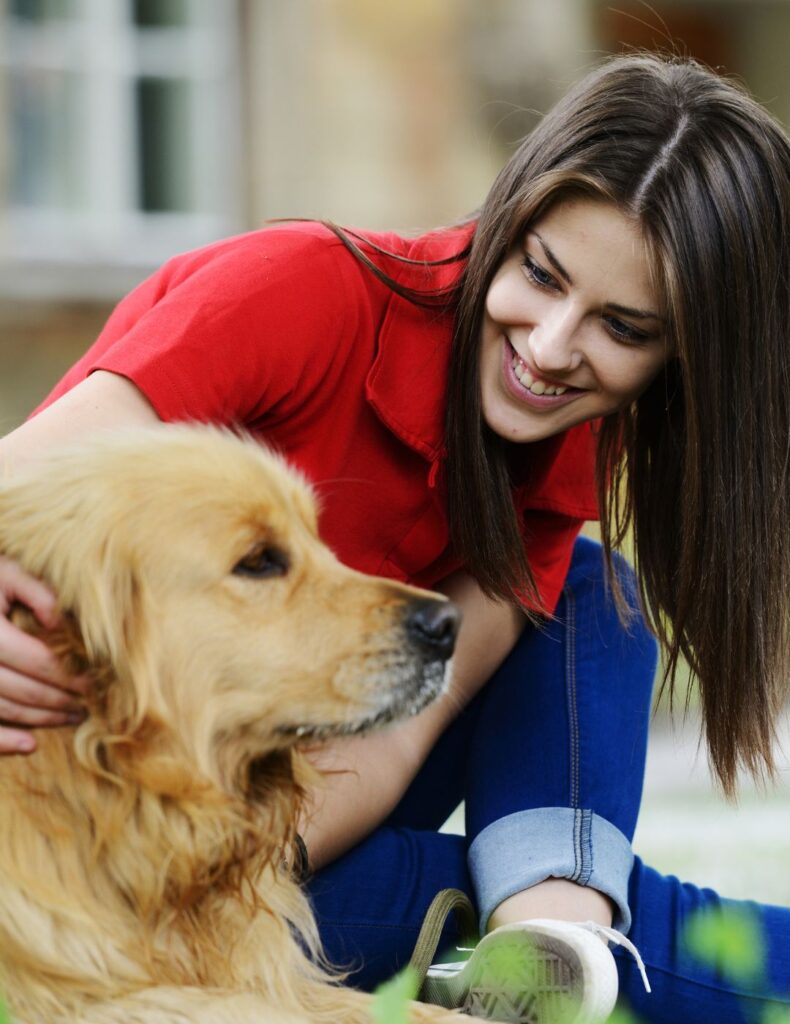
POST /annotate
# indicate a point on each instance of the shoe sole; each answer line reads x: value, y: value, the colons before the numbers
x: 526, y: 982
x: 524, y: 977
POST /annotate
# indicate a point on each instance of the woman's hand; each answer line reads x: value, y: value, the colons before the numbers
x: 34, y: 689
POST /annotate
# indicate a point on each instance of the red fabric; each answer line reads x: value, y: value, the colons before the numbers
x: 286, y: 333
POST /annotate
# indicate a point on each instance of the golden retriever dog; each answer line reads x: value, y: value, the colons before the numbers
x: 145, y: 857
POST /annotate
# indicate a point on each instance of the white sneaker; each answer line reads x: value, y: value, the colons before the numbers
x: 534, y: 972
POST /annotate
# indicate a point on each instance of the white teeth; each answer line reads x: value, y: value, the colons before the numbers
x: 537, y: 387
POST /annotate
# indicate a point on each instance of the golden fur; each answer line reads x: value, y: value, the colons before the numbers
x: 143, y: 856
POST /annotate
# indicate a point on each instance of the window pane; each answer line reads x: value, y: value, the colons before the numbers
x: 41, y: 10
x: 164, y: 137
x: 159, y: 13
x: 46, y: 138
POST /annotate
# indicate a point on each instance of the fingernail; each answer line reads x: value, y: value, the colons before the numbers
x: 25, y: 744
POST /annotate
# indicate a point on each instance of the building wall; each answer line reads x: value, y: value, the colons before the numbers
x: 372, y: 114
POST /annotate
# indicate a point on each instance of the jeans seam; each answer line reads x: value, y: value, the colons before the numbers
x: 573, y: 727
x: 586, y: 847
x: 582, y: 819
x: 570, y: 686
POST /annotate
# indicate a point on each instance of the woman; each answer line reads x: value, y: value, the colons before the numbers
x: 623, y: 291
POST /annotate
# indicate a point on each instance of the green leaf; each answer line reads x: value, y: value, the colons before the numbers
x: 391, y: 1000
x: 776, y: 1015
x: 622, y: 1016
x: 728, y: 940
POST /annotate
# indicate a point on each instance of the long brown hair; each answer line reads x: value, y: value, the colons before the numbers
x: 698, y: 465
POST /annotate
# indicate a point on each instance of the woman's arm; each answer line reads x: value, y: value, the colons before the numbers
x: 101, y: 400
x: 373, y: 772
x: 34, y: 690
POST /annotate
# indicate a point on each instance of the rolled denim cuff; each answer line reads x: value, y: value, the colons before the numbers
x: 522, y: 849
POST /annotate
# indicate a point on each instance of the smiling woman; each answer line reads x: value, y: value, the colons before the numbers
x: 608, y: 331
x: 569, y: 333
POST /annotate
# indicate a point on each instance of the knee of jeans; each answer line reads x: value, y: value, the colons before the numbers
x: 588, y: 580
x: 588, y: 570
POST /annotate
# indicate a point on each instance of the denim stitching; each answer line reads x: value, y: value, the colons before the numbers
x: 577, y: 853
x: 585, y: 842
x: 570, y: 684
x: 573, y: 729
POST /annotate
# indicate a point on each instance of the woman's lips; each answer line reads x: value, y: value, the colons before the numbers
x: 523, y: 393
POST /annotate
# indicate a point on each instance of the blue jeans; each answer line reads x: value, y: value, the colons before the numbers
x: 549, y: 759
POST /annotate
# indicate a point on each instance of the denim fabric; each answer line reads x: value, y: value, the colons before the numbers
x: 686, y: 989
x: 523, y: 848
x: 549, y: 759
x: 371, y: 902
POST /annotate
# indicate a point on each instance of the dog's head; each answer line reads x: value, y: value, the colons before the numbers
x: 213, y: 617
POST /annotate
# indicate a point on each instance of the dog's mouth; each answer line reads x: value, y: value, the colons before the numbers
x: 405, y: 702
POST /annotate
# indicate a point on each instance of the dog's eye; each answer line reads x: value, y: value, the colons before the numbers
x: 262, y: 562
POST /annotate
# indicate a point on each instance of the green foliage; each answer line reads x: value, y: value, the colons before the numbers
x: 622, y: 1016
x: 4, y: 1018
x: 776, y: 1015
x: 391, y: 1000
x: 728, y: 940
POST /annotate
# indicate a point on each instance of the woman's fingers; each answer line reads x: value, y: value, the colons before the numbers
x: 16, y: 741
x: 17, y: 585
x: 35, y: 690
x: 26, y: 703
x: 18, y: 689
x: 30, y: 656
x: 34, y: 718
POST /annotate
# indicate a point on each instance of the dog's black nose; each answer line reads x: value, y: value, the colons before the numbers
x: 433, y: 626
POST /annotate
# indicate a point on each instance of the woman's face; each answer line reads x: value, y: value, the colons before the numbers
x: 572, y: 328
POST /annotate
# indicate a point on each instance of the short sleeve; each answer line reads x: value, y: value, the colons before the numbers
x: 231, y: 333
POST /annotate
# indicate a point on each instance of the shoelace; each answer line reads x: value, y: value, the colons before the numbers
x: 612, y: 935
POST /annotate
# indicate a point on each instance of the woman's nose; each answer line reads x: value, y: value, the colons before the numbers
x: 555, y: 342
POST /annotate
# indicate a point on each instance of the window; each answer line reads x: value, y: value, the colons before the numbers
x: 120, y: 129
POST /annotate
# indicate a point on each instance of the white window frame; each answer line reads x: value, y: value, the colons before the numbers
x: 97, y: 249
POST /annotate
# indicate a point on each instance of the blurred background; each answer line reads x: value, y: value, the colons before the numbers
x: 134, y: 129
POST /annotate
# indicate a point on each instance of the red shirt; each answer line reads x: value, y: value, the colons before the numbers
x: 284, y: 332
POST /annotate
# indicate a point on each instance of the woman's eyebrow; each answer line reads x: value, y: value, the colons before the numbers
x: 637, y: 314
x: 553, y: 260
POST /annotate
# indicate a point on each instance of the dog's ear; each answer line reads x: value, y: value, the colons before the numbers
x: 59, y: 521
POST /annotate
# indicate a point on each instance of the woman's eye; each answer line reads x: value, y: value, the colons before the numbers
x: 263, y: 562
x: 623, y: 331
x: 537, y: 274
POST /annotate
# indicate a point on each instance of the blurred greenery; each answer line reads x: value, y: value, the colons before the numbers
x: 622, y: 1016
x: 729, y: 940
x: 391, y: 1000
